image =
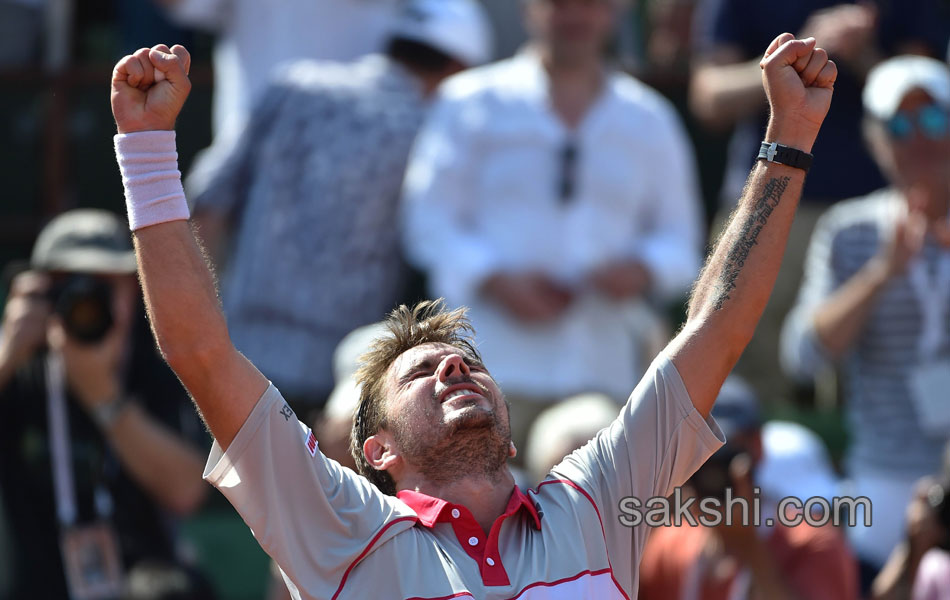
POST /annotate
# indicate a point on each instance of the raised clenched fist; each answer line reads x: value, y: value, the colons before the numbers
x: 149, y: 88
x: 799, y: 81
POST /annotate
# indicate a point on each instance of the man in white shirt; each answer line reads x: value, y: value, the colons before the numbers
x: 550, y: 194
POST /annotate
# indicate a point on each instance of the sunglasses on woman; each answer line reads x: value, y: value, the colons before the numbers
x: 932, y: 120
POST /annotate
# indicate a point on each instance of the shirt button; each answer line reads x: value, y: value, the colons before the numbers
x: 491, y: 563
x: 455, y: 513
x: 473, y: 541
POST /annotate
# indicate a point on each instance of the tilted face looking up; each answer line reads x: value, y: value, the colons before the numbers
x: 446, y: 414
x: 428, y: 405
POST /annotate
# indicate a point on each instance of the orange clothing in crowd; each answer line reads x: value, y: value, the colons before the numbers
x: 815, y: 561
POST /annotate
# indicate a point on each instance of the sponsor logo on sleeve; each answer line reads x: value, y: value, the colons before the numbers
x: 311, y: 442
x: 286, y: 412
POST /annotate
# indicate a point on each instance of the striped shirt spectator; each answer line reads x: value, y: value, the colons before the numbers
x: 889, y: 448
x: 885, y: 430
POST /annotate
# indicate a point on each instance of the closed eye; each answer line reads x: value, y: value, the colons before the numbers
x: 474, y: 365
x: 414, y: 375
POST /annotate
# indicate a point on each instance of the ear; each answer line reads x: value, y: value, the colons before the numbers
x: 380, y: 451
x: 512, y: 451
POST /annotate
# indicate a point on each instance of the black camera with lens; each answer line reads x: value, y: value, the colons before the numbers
x: 84, y: 303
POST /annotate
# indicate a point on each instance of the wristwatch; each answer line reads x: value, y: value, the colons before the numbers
x: 104, y: 415
x: 785, y: 155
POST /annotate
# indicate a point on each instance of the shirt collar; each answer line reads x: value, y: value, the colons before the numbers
x: 432, y: 510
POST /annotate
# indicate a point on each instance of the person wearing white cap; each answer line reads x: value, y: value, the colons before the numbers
x: 875, y: 299
x: 554, y: 195
x: 310, y: 194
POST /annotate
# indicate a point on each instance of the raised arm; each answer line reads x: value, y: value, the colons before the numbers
x: 735, y: 285
x: 179, y: 289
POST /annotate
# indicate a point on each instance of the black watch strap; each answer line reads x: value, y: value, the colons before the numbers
x: 785, y: 155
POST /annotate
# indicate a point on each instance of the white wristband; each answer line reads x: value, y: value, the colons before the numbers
x: 148, y: 161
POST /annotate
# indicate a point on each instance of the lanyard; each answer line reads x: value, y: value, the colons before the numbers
x: 60, y: 446
x: 933, y: 294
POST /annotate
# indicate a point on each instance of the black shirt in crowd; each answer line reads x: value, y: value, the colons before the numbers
x: 26, y: 474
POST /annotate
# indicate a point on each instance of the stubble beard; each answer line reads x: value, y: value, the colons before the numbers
x: 473, y: 444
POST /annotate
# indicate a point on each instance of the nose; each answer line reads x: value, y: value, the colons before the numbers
x: 451, y: 366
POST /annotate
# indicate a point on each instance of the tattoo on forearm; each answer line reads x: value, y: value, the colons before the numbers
x: 748, y: 237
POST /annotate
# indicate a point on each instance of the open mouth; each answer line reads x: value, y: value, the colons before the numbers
x: 461, y: 390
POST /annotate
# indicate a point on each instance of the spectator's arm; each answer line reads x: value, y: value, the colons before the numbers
x: 724, y: 88
x: 205, y: 14
x: 726, y: 84
x: 801, y: 352
x: 166, y: 466
x: 670, y: 247
x: 898, y: 578
x: 437, y: 200
x: 23, y: 329
x: 830, y: 315
x: 735, y: 285
x: 840, y: 319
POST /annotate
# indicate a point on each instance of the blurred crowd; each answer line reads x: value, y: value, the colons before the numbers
x: 557, y: 166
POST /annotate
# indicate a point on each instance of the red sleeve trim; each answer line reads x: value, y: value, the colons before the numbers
x: 366, y: 551
x: 603, y: 532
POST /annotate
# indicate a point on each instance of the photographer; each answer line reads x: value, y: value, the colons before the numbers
x: 92, y: 464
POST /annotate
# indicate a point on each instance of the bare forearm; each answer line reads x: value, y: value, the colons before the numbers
x: 721, y: 95
x: 895, y: 580
x: 179, y: 289
x: 160, y: 461
x: 190, y: 329
x: 738, y: 278
x: 180, y: 295
x: 841, y: 318
x: 735, y: 285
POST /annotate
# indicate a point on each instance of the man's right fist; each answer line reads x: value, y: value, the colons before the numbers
x: 149, y: 88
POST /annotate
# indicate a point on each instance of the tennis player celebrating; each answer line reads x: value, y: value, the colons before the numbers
x: 438, y: 514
